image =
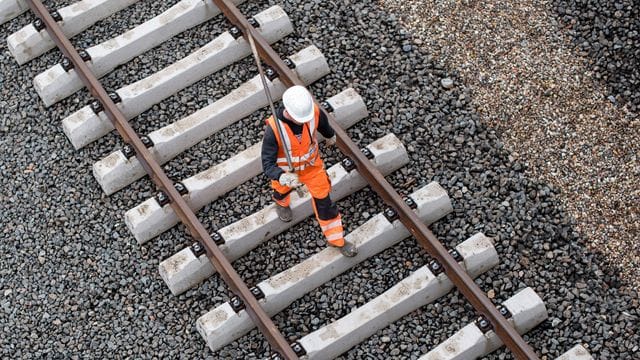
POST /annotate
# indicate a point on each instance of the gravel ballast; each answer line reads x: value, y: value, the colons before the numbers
x: 74, y: 283
x: 528, y: 83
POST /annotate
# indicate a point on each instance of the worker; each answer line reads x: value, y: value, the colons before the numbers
x: 300, y: 119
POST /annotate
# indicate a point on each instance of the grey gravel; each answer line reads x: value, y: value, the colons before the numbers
x: 75, y: 284
x: 550, y: 112
x: 609, y: 32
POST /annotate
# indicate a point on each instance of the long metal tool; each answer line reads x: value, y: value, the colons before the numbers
x: 267, y: 92
x: 376, y: 180
x: 157, y: 175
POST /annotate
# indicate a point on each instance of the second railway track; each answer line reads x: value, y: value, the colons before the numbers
x: 250, y: 225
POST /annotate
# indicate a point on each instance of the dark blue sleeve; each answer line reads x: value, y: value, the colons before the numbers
x: 324, y: 127
x: 270, y: 154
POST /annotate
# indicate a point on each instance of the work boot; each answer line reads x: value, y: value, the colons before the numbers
x: 284, y: 213
x: 348, y: 250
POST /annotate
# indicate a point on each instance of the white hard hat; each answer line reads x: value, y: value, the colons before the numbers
x: 298, y: 103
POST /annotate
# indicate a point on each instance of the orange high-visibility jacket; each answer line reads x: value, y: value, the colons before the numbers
x: 304, y: 151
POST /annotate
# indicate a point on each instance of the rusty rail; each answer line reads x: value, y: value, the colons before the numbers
x: 157, y: 175
x: 376, y: 180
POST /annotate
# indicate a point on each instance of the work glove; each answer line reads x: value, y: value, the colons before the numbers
x: 330, y: 141
x: 289, y: 179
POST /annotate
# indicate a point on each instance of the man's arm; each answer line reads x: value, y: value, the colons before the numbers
x: 324, y: 127
x: 270, y: 155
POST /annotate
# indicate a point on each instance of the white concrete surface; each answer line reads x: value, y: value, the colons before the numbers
x: 27, y: 43
x: 577, y: 352
x: 11, y: 8
x: 55, y: 83
x: 419, y: 289
x: 149, y: 219
x: 115, y: 171
x: 183, y: 270
x: 527, y: 310
x: 222, y: 325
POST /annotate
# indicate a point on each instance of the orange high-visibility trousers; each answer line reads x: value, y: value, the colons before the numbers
x: 327, y: 214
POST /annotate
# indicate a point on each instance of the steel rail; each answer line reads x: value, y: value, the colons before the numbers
x: 158, y: 176
x: 376, y: 180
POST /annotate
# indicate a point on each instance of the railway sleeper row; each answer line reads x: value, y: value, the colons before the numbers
x: 221, y: 325
x: 89, y: 124
x: 420, y: 288
x: 186, y: 268
x: 190, y: 266
x: 59, y: 81
x: 118, y: 170
x: 150, y: 219
x: 32, y: 41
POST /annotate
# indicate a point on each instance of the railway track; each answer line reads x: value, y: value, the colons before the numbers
x: 213, y: 250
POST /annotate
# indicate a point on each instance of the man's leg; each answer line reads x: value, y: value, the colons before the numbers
x: 326, y: 210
